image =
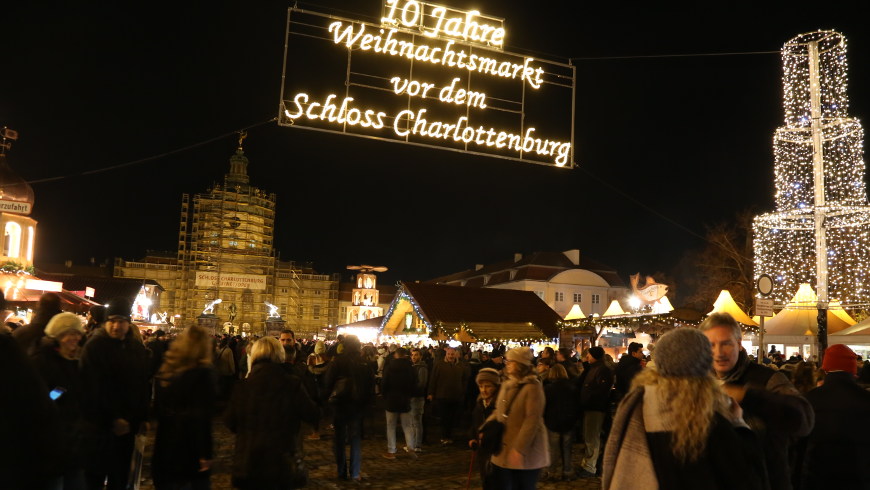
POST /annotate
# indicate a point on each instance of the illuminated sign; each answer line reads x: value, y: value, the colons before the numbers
x: 38, y: 285
x: 239, y: 281
x: 427, y: 75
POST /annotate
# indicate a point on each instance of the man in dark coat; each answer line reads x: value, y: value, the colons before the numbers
x: 627, y: 368
x: 772, y: 407
x: 837, y: 455
x: 398, y: 386
x: 29, y: 336
x: 447, y: 389
x: 350, y: 383
x: 595, y: 384
x: 158, y: 346
x: 115, y: 396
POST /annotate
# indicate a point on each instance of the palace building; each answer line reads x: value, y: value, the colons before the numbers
x: 226, y: 253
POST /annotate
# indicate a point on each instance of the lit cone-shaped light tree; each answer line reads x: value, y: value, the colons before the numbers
x: 819, y: 233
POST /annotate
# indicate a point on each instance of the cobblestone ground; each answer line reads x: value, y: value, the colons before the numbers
x: 437, y: 466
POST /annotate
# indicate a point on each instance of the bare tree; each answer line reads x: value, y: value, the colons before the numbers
x: 724, y: 263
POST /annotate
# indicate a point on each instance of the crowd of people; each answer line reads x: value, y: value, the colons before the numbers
x: 697, y: 413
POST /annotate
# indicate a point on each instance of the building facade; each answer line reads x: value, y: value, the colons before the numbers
x: 558, y: 278
x: 226, y: 252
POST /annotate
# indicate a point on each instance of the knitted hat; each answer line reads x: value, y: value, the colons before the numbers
x: 522, y: 355
x: 119, y: 307
x: 685, y: 353
x: 488, y: 375
x: 64, y: 322
x: 596, y: 352
x: 838, y: 357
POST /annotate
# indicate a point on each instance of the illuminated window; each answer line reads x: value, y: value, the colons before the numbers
x: 316, y: 312
x: 560, y: 296
x: 596, y: 299
x: 578, y: 297
x: 12, y: 240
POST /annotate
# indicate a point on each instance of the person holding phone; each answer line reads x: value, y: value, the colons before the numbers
x: 57, y: 359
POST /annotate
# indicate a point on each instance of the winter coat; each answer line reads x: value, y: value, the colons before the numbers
x: 185, y: 408
x: 563, y: 408
x: 595, y: 384
x: 360, y: 381
x: 837, y: 455
x: 60, y: 372
x: 30, y: 428
x: 449, y: 380
x: 30, y: 335
x: 524, y: 425
x: 264, y: 413
x: 776, y: 411
x: 398, y: 385
x: 421, y: 370
x: 626, y: 369
x: 638, y: 452
x: 115, y: 380
x: 225, y: 362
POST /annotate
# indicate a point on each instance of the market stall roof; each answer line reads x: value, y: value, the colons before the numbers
x: 21, y: 289
x: 614, y: 309
x: 663, y: 306
x: 575, y: 313
x: 860, y: 328
x: 725, y: 304
x: 483, y: 313
x: 105, y: 288
x: 800, y: 316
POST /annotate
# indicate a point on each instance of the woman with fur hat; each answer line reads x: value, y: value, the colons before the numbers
x: 520, y: 406
x: 677, y: 429
x: 57, y: 360
x: 488, y: 381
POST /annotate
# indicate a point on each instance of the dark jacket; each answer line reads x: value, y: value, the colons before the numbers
x: 837, y: 454
x: 449, y: 380
x: 30, y: 428
x: 421, y: 369
x: 185, y: 408
x: 626, y: 369
x: 60, y: 372
x: 360, y: 379
x: 398, y: 386
x: 775, y: 411
x: 563, y: 409
x: 595, y: 384
x: 30, y: 335
x: 114, y: 380
x: 264, y: 413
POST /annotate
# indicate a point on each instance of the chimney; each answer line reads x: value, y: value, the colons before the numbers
x: 573, y: 255
x: 518, y: 257
x: 477, y: 267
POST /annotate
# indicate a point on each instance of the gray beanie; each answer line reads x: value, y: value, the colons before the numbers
x: 685, y: 353
x: 489, y: 375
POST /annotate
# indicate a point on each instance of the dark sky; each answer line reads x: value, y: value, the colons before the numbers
x: 664, y: 145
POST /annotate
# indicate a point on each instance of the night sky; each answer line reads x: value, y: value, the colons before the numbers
x: 664, y: 145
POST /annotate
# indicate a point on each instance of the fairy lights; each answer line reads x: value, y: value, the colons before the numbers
x: 785, y: 240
